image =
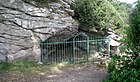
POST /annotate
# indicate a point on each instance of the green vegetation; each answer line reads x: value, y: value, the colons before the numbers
x: 133, y: 32
x: 31, y: 67
x: 100, y: 15
x: 26, y: 67
x: 26, y: 70
x: 126, y: 67
x: 30, y: 71
x: 20, y: 67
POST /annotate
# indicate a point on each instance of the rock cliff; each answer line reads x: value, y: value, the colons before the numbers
x: 23, y: 26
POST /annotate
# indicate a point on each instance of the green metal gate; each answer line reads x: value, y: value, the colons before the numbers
x: 79, y: 49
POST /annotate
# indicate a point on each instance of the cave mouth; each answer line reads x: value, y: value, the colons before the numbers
x: 79, y: 48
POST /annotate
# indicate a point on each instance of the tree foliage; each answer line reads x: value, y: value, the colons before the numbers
x: 133, y: 32
x: 126, y: 66
x: 99, y: 14
x: 124, y: 9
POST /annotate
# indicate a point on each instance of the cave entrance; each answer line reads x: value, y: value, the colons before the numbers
x: 79, y: 48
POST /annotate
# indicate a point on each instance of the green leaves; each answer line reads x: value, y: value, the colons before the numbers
x: 124, y: 69
x: 99, y: 15
x: 124, y: 76
x: 133, y: 32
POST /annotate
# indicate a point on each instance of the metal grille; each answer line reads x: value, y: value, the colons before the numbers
x: 78, y: 49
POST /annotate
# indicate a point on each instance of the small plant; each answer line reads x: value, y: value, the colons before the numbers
x: 5, y: 67
x: 112, y: 64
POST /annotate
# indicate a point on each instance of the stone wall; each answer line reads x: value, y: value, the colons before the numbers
x: 23, y: 26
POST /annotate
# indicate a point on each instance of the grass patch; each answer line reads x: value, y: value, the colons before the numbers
x: 22, y: 67
x: 31, y: 71
x: 5, y: 67
x: 31, y: 67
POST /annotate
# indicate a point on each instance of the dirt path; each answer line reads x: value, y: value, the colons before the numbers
x: 79, y: 74
x: 82, y: 73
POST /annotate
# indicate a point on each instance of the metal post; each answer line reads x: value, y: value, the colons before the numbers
x: 108, y: 46
x: 87, y: 48
x: 47, y: 54
x: 73, y: 50
x: 42, y: 52
x: 40, y: 60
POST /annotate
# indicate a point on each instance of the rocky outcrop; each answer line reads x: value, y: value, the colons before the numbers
x: 114, y: 43
x: 23, y: 26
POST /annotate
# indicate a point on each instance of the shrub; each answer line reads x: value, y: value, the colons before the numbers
x: 124, y: 76
x: 112, y: 64
x: 133, y: 32
x: 124, y: 68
